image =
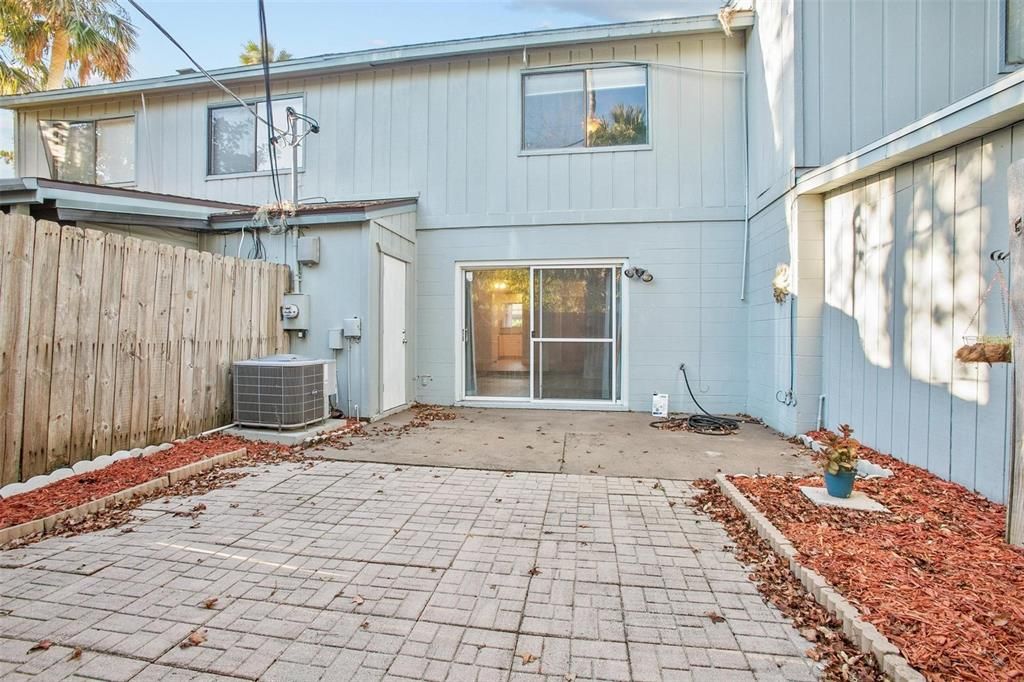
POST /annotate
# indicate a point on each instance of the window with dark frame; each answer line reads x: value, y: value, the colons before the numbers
x: 585, y: 108
x: 238, y: 142
x: 96, y: 152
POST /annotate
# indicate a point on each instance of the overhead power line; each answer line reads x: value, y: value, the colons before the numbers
x: 275, y: 181
x: 248, y: 107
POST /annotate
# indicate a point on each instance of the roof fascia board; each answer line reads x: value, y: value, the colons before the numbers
x: 117, y: 218
x: 370, y: 58
x: 987, y: 110
x: 232, y: 224
x: 91, y: 202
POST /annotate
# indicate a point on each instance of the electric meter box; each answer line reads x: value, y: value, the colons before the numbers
x: 295, y: 312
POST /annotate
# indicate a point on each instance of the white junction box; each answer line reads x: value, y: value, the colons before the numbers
x: 335, y: 339
x: 295, y: 312
x: 659, y: 405
x: 308, y: 250
x: 353, y: 327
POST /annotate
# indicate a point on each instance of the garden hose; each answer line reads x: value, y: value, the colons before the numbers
x: 704, y: 423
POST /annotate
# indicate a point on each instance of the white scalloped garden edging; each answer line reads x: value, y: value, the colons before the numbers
x: 860, y: 632
x: 80, y: 467
x: 81, y: 511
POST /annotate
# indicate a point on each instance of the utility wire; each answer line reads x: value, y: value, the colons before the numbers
x: 248, y: 107
x: 275, y: 181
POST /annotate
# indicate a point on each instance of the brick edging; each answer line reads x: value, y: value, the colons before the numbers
x: 92, y: 506
x: 862, y: 633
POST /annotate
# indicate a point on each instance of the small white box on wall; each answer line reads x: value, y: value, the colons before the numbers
x: 659, y: 405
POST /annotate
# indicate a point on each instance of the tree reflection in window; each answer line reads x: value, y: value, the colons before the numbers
x: 598, y: 107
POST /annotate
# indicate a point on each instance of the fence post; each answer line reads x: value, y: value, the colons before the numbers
x: 1015, y: 506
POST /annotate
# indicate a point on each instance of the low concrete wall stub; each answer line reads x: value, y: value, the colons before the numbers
x: 861, y: 633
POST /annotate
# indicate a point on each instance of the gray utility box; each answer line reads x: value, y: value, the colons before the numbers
x: 280, y: 392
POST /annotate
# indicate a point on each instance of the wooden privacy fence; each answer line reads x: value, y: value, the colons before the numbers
x: 110, y: 342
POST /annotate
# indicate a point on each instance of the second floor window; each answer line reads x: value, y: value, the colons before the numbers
x: 597, y: 107
x: 100, y: 152
x: 238, y: 142
x: 1014, y: 27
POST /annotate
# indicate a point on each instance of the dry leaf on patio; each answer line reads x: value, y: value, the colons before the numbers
x: 365, y: 625
x: 195, y: 639
x: 715, y: 617
x: 41, y: 645
x: 209, y: 602
x: 534, y: 571
x: 528, y: 658
x: 76, y: 654
x: 358, y: 600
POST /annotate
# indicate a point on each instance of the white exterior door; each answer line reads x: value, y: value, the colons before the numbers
x: 393, y: 333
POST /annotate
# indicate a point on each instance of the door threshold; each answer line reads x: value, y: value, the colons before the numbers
x: 546, y: 405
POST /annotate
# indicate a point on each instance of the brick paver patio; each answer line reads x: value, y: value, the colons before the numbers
x: 354, y: 571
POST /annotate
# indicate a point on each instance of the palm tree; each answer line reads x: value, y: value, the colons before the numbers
x: 47, y: 38
x: 252, y: 54
x: 628, y: 125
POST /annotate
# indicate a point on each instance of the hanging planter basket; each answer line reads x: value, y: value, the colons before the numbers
x: 989, y: 349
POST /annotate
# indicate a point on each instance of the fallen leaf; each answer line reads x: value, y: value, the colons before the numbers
x: 76, y: 654
x: 358, y: 600
x: 813, y: 654
x: 715, y: 617
x: 528, y: 658
x: 195, y: 639
x: 209, y: 602
x: 41, y: 645
x: 534, y: 571
x: 365, y: 625
x: 810, y: 634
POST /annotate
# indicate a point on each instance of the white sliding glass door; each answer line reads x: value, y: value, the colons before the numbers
x: 543, y: 333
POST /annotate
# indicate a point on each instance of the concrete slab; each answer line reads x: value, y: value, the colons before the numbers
x: 858, y: 501
x: 291, y: 437
x: 585, y: 442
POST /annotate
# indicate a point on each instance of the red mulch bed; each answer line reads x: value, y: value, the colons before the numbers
x: 935, y: 575
x: 92, y: 485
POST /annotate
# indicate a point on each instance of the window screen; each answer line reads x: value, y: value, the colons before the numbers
x: 95, y: 152
x: 1014, y: 31
x: 238, y: 142
x: 599, y: 107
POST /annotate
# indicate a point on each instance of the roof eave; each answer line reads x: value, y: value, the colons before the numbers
x: 370, y: 58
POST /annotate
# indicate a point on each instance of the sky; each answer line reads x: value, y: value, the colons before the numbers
x: 215, y: 30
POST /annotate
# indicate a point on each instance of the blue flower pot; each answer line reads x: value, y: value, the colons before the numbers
x: 841, y: 484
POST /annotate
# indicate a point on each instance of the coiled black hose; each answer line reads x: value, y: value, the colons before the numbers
x: 705, y: 423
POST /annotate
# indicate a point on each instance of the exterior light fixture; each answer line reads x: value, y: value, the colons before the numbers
x: 639, y: 273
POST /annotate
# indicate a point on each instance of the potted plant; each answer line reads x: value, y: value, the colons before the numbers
x: 839, y: 461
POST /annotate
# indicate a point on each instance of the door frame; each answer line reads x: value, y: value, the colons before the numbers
x: 381, y: 410
x: 528, y: 402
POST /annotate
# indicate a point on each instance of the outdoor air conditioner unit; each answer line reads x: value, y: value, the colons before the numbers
x: 280, y: 392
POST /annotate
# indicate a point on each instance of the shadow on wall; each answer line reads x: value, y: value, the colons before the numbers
x: 906, y: 267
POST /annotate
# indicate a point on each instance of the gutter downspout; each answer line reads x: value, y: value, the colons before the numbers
x: 746, y: 186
